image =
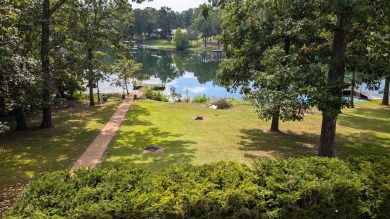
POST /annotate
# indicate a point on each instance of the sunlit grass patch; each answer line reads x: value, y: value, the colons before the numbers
x: 238, y: 135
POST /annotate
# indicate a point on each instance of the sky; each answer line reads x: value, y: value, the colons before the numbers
x: 175, y: 5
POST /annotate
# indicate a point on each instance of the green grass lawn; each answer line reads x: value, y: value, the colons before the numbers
x: 160, y: 42
x: 25, y: 155
x: 238, y: 135
x: 195, y: 46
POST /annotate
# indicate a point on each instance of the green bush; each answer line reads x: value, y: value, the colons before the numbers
x: 374, y: 172
x: 201, y: 99
x: 309, y: 188
x: 284, y: 188
x: 155, y: 95
x: 180, y: 40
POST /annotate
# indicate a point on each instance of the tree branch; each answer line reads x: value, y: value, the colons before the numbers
x: 56, y: 7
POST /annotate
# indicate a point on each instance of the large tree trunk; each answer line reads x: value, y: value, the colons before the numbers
x: 275, y: 122
x: 46, y: 118
x: 205, y: 41
x: 352, y: 95
x: 275, y: 117
x: 335, y: 79
x: 2, y: 108
x: 20, y: 118
x: 385, y: 100
x: 328, y: 134
x: 90, y: 78
x: 18, y: 109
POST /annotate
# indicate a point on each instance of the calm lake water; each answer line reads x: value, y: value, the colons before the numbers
x: 189, y: 72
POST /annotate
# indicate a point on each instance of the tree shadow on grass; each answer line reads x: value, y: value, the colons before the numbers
x: 28, y: 154
x: 127, y: 149
x: 382, y: 112
x: 258, y: 144
x: 364, y: 123
x: 360, y: 144
x: 132, y: 117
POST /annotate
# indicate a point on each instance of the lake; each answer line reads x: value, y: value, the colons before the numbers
x: 189, y: 72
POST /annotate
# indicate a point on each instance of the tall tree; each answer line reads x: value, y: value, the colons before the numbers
x: 180, y: 39
x: 47, y: 12
x: 166, y: 21
x: 18, y: 65
x: 324, y: 43
x: 126, y: 70
x: 346, y: 14
x: 262, y: 41
x: 202, y: 24
x: 100, y: 25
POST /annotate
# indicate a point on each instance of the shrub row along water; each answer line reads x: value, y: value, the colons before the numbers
x: 152, y: 94
x: 284, y: 188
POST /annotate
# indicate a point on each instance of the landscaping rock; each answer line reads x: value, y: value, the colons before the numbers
x: 198, y: 118
x: 153, y: 149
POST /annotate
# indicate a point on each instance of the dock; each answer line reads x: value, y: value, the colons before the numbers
x: 361, y: 94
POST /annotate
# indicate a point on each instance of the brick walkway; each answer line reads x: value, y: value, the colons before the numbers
x: 94, y: 154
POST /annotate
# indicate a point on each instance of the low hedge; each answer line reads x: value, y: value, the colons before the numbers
x: 155, y: 95
x: 284, y: 188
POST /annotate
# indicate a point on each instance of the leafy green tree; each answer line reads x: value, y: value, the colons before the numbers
x: 185, y: 18
x: 207, y: 22
x: 202, y: 25
x: 67, y: 60
x: 262, y: 42
x: 151, y: 17
x: 166, y: 21
x: 323, y: 41
x: 180, y: 40
x: 140, y: 23
x: 378, y: 44
x: 99, y: 25
x: 192, y: 34
x: 19, y: 78
x: 127, y: 70
x: 46, y: 14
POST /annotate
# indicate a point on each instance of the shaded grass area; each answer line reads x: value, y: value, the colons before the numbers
x: 238, y: 135
x: 25, y: 155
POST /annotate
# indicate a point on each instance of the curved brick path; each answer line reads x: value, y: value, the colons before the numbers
x: 93, y: 155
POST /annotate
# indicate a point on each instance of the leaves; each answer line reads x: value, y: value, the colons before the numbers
x: 286, y: 188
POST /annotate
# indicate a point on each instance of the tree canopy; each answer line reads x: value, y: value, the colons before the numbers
x: 314, y: 35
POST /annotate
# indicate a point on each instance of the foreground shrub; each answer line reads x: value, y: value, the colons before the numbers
x: 284, y: 188
x: 310, y: 188
x: 374, y: 172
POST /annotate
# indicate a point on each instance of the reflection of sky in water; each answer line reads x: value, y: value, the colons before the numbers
x: 190, y: 82
x: 185, y: 71
x: 187, y: 81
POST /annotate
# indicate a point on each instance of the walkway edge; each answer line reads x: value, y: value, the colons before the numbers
x: 94, y: 154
